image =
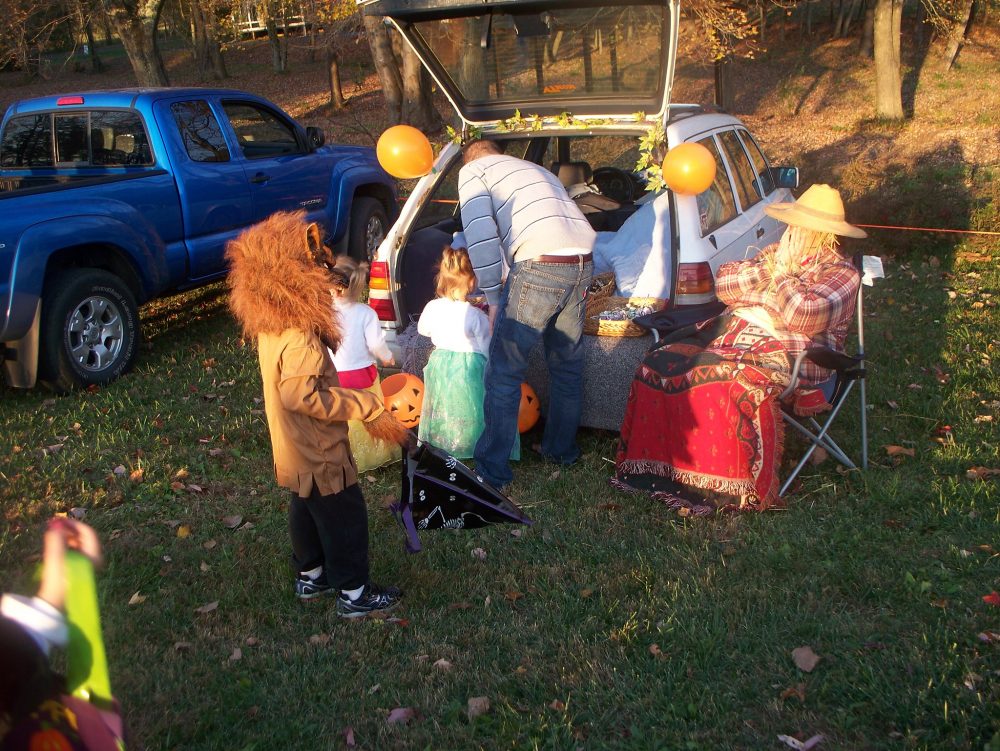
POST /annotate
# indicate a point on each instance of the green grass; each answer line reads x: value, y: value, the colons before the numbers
x: 881, y: 573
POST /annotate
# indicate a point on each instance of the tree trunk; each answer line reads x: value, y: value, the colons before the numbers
x: 868, y: 30
x: 762, y: 15
x: 278, y: 44
x: 96, y: 64
x: 888, y: 74
x: 958, y: 32
x: 723, y: 84
x: 198, y: 41
x: 333, y: 66
x: 212, y: 45
x: 136, y: 26
x: 418, y: 98
x: 386, y: 66
x: 850, y: 17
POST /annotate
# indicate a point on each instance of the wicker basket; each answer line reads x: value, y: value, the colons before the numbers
x: 601, y: 287
x: 594, y: 325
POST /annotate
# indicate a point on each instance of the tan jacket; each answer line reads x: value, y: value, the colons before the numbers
x: 307, y: 413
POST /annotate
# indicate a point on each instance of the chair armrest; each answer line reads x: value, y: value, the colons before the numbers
x: 825, y: 357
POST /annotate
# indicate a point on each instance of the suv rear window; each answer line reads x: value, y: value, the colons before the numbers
x: 101, y: 138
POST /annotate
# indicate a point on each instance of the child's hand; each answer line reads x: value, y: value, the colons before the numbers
x: 62, y: 534
x: 391, y: 361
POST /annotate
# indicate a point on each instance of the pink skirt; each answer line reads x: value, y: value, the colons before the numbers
x: 361, y: 378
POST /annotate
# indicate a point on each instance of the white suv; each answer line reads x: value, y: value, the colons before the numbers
x: 574, y: 86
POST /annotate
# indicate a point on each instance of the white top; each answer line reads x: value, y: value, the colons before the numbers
x: 455, y: 325
x: 362, y: 339
x: 45, y: 624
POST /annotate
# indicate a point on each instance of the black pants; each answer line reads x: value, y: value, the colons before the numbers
x: 331, y: 531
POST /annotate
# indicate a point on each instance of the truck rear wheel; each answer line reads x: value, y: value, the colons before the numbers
x: 369, y: 223
x: 89, y: 329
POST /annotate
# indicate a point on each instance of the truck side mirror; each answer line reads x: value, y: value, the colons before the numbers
x: 316, y: 136
x: 785, y: 177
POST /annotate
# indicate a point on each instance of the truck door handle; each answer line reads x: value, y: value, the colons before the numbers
x: 259, y: 178
x: 760, y: 232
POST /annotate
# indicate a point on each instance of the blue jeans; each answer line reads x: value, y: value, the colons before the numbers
x: 538, y: 301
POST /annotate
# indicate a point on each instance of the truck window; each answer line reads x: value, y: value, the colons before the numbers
x: 200, y: 131
x: 118, y: 139
x: 71, y: 139
x: 261, y: 133
x: 27, y: 142
x: 743, y: 175
x: 716, y: 205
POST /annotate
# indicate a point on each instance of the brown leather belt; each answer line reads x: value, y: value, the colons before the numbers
x: 584, y: 257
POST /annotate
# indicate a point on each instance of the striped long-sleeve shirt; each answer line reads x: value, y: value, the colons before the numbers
x: 515, y: 210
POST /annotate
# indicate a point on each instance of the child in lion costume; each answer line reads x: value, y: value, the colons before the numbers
x: 279, y: 277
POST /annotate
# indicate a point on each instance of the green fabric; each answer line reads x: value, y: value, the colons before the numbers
x: 451, y: 417
x: 87, y: 666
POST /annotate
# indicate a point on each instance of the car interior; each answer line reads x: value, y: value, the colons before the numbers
x: 606, y: 196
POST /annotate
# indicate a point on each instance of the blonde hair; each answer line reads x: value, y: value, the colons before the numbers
x: 455, y: 278
x: 348, y: 278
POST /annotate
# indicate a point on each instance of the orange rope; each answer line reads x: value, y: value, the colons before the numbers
x: 931, y: 229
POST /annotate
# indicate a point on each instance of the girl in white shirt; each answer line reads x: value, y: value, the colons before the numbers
x: 361, y: 344
x: 451, y: 417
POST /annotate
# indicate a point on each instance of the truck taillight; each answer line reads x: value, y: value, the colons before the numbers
x: 695, y: 284
x: 379, y: 298
x: 65, y: 100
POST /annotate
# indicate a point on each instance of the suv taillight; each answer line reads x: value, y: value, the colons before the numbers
x: 695, y: 284
x: 379, y: 298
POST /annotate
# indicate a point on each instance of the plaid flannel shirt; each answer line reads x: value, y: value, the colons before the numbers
x: 814, y: 307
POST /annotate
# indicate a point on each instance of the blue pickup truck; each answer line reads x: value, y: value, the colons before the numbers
x: 109, y: 199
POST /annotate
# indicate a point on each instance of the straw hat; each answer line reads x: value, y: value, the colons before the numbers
x: 820, y: 208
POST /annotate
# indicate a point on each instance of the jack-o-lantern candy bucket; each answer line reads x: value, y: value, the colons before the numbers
x: 530, y: 409
x: 403, y: 395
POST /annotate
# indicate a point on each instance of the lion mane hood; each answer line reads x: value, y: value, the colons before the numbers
x: 278, y: 279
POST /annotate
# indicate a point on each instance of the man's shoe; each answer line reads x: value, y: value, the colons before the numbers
x: 373, y: 599
x: 309, y: 589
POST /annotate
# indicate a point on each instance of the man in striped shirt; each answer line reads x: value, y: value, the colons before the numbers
x: 517, y: 215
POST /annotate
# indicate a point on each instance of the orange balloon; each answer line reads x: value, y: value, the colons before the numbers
x: 530, y: 409
x: 689, y: 169
x: 403, y: 396
x: 404, y: 152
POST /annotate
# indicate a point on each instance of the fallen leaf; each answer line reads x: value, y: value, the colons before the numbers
x: 805, y: 659
x: 516, y: 532
x: 78, y: 513
x: 513, y: 596
x: 892, y: 404
x: 319, y: 639
x: 136, y: 599
x: 993, y: 598
x: 252, y: 641
x: 236, y: 655
x: 479, y: 554
x: 167, y: 559
x: 183, y: 531
x: 939, y: 603
x: 520, y: 670
x: 422, y: 658
x: 180, y: 474
x: 374, y: 688
x: 401, y: 716
x: 136, y: 475
x: 654, y: 649
x: 443, y: 664
x: 900, y: 451
x: 981, y: 473
x: 204, y: 566
x: 476, y: 706
x: 208, y: 607
x: 349, y: 737
x: 798, y: 691
x: 119, y: 470
x: 209, y: 544
x: 371, y: 479
x: 554, y: 475
x: 192, y: 488
x: 798, y: 745
x: 182, y: 646
x: 253, y: 711
x: 818, y: 456
x: 460, y: 606
x: 232, y: 522
x: 401, y: 622
x: 172, y: 523
x: 608, y: 506
x: 989, y: 637
x: 216, y: 452
x: 177, y: 485
x: 585, y: 593
x: 557, y: 705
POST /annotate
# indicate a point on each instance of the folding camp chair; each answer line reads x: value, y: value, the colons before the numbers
x: 848, y: 371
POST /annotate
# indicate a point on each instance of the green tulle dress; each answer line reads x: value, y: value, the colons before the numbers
x: 451, y: 417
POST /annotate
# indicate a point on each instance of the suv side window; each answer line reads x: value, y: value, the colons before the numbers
x: 200, y: 131
x: 743, y: 175
x: 759, y: 162
x: 261, y: 133
x: 27, y: 142
x: 716, y: 205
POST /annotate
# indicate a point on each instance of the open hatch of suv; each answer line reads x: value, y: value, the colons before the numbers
x: 574, y: 86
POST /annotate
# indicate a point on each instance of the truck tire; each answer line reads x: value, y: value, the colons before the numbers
x: 89, y: 330
x: 369, y: 223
